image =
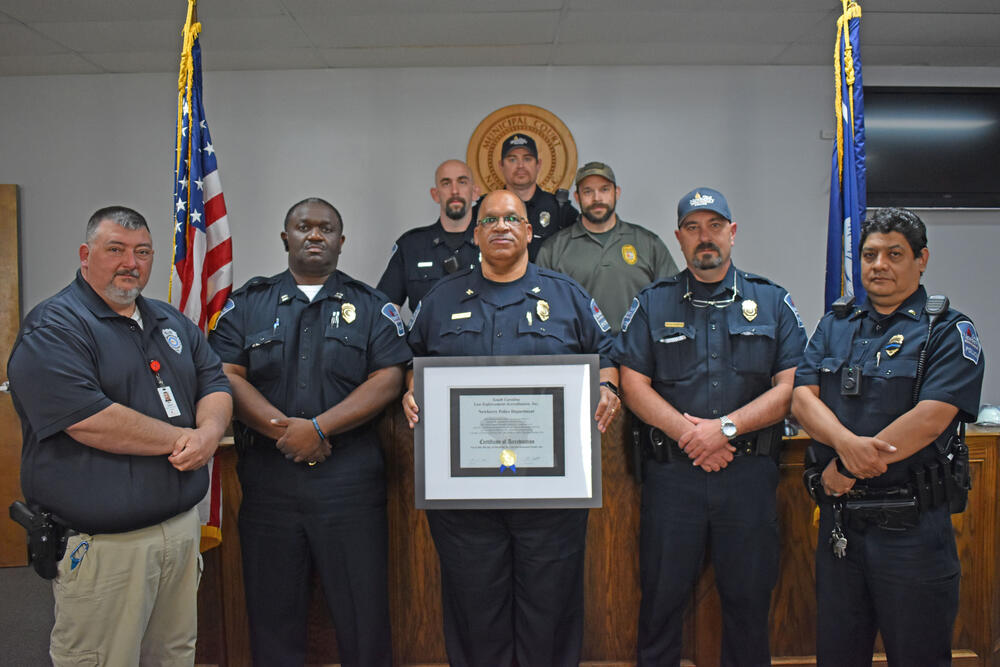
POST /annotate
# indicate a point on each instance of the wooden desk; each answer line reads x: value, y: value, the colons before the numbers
x: 612, y: 571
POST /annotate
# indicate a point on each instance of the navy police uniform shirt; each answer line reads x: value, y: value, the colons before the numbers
x: 885, y: 348
x: 74, y: 357
x: 305, y: 356
x: 708, y: 361
x: 543, y: 312
x: 420, y: 258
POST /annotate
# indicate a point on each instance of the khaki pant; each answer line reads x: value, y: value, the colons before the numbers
x: 131, y: 599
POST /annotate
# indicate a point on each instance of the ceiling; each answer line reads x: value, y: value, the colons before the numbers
x: 39, y: 37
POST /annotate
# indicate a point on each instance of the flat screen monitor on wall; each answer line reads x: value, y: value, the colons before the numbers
x: 933, y: 147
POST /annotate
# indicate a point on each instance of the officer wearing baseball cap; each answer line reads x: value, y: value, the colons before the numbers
x: 708, y: 361
x: 519, y: 166
x: 611, y: 258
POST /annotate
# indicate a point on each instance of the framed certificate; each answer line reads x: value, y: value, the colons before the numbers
x: 507, y: 432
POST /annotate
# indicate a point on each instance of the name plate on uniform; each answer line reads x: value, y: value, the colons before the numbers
x: 507, y: 432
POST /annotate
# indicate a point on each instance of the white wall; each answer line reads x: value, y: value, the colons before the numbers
x: 369, y: 140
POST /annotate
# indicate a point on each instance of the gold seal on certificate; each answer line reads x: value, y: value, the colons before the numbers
x: 508, y: 460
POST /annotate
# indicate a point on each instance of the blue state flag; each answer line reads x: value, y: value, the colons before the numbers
x: 847, y: 180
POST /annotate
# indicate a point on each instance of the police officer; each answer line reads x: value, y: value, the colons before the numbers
x: 707, y: 361
x: 423, y: 255
x: 881, y: 389
x: 122, y: 403
x: 519, y: 165
x: 313, y: 356
x: 512, y: 580
x: 611, y: 258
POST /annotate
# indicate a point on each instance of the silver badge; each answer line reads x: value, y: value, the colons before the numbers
x: 173, y: 340
x: 544, y: 218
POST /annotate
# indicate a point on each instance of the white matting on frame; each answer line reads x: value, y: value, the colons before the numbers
x: 577, y: 484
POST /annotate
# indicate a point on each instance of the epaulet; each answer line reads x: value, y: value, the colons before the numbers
x: 256, y: 282
x: 670, y: 280
x: 447, y: 280
x: 754, y: 278
x: 415, y: 230
x: 359, y: 284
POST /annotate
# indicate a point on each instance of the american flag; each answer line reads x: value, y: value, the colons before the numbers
x: 203, y: 250
x: 202, y: 271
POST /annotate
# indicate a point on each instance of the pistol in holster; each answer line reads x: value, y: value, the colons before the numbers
x: 47, y: 535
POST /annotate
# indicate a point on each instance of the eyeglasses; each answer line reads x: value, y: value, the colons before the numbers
x: 705, y: 303
x: 512, y: 220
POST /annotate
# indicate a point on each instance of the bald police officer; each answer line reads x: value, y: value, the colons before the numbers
x: 511, y: 580
x: 611, y: 258
x: 424, y: 255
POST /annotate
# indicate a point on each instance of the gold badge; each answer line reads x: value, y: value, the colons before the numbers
x: 749, y: 309
x: 895, y: 345
x: 349, y: 312
x: 673, y: 325
x: 543, y: 218
x: 629, y: 254
x: 528, y: 316
x: 508, y: 459
x: 542, y: 308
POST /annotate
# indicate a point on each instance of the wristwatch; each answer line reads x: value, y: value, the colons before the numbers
x: 728, y: 427
x: 611, y: 385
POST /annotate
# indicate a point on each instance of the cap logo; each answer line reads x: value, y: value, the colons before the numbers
x: 517, y: 141
x: 701, y: 200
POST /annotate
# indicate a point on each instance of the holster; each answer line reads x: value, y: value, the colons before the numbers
x: 47, y: 536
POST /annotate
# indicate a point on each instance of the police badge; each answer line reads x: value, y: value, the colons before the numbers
x: 349, y: 312
x: 749, y: 309
x: 544, y: 218
x: 542, y: 308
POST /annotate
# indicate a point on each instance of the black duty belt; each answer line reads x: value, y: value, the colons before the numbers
x: 657, y: 445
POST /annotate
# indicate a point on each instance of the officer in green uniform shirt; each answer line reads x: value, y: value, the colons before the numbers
x: 611, y: 258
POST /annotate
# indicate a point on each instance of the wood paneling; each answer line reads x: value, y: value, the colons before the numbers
x: 13, y: 540
x: 611, y: 576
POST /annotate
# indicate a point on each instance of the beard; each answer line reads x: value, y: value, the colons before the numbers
x: 705, y: 262
x: 122, y: 297
x: 456, y: 213
x: 589, y: 214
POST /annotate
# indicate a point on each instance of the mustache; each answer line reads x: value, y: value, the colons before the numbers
x: 134, y: 273
x: 707, y: 246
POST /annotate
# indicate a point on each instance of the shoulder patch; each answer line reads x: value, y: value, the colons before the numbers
x: 627, y: 320
x: 599, y: 316
x: 413, y: 319
x: 392, y: 314
x: 795, y: 311
x: 971, y: 347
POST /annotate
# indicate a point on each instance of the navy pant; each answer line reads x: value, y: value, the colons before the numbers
x: 330, y: 517
x: 902, y: 583
x: 732, y: 512
x: 511, y: 585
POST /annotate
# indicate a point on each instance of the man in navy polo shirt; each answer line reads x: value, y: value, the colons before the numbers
x: 122, y: 403
x: 881, y: 390
x: 708, y: 360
